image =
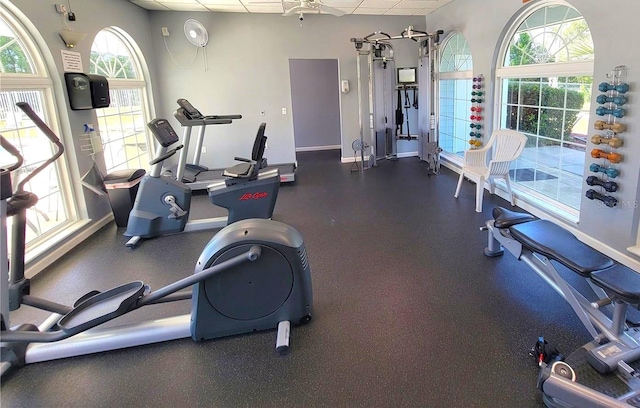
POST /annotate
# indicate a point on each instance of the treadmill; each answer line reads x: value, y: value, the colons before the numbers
x: 195, y: 175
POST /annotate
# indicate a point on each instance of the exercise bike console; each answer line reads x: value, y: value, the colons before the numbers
x: 164, y: 133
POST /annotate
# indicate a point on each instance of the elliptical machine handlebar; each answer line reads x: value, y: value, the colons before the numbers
x: 13, y: 152
x: 49, y: 134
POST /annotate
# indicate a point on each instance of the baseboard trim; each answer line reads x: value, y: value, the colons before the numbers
x: 73, y: 238
x: 358, y: 159
x: 318, y: 148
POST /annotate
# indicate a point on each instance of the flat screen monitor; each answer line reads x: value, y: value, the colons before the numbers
x: 407, y: 75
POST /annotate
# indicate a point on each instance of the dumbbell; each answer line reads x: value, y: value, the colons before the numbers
x: 476, y: 93
x: 474, y: 125
x: 475, y: 117
x: 621, y: 87
x: 601, y: 154
x: 475, y: 134
x: 601, y: 111
x: 477, y: 86
x: 609, y: 171
x: 477, y: 109
x: 618, y: 100
x: 610, y: 186
x: 477, y: 79
x: 607, y: 200
x: 475, y: 142
x: 479, y: 100
x: 614, y: 142
x: 614, y: 127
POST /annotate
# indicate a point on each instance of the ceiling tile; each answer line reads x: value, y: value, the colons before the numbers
x: 228, y: 8
x: 375, y: 11
x: 208, y: 3
x: 185, y: 6
x: 270, y: 8
x: 400, y: 12
x: 424, y: 12
x: 348, y: 10
x: 149, y: 5
x: 178, y: 1
x: 381, y: 4
x: 342, y: 3
x: 413, y: 4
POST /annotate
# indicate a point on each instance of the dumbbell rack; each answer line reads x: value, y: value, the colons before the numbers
x: 477, y: 110
x: 607, y: 144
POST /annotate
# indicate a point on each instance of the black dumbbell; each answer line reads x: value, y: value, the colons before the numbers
x: 607, y: 200
x: 610, y: 186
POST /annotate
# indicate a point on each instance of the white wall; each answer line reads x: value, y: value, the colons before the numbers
x: 614, y: 29
x: 248, y: 71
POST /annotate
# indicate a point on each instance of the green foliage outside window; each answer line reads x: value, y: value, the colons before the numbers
x: 13, y: 60
x: 544, y: 116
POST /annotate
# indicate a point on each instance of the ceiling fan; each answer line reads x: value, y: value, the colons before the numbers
x: 302, y: 7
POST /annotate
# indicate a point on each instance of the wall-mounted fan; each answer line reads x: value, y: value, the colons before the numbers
x: 196, y: 33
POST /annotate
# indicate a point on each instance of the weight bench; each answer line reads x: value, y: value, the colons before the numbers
x: 616, y: 344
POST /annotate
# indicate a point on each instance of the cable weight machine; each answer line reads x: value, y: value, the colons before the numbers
x: 381, y: 124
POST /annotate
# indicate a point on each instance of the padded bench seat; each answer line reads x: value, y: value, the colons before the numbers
x: 560, y: 245
x: 620, y: 280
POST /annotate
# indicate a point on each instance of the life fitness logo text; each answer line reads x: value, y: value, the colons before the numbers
x: 253, y: 196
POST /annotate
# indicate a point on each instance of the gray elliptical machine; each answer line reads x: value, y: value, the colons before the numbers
x: 162, y: 203
x: 252, y: 275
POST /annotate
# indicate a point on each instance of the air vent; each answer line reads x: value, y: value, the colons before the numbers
x: 302, y: 253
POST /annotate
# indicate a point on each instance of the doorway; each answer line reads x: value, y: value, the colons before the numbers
x: 315, y: 104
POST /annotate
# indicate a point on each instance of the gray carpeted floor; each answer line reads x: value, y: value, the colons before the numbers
x: 407, y: 309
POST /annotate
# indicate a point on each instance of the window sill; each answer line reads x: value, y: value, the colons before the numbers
x: 40, y: 256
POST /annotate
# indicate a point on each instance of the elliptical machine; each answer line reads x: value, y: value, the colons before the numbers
x: 260, y: 266
x: 162, y: 204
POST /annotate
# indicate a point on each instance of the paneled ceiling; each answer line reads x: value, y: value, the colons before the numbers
x: 370, y: 7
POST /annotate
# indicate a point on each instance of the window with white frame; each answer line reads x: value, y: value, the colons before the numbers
x: 122, y: 126
x: 24, y: 78
x: 544, y: 79
x: 455, y: 73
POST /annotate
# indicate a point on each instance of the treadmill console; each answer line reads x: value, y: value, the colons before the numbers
x: 190, y: 111
x: 163, y: 132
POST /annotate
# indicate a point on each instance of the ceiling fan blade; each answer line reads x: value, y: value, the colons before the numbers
x: 330, y: 10
x: 301, y: 10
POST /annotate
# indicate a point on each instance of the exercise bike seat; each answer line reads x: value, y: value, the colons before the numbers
x: 503, y: 218
x: 558, y: 244
x: 250, y: 168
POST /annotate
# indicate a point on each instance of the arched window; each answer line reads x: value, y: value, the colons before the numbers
x: 122, y: 125
x: 544, y: 78
x: 24, y: 78
x: 455, y: 73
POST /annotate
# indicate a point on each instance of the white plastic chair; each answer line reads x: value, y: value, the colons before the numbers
x: 506, y: 145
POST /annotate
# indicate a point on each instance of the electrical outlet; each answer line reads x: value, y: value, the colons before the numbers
x: 261, y: 113
x: 165, y: 31
x: 284, y: 111
x: 204, y: 149
x: 61, y: 8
